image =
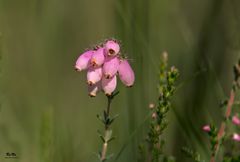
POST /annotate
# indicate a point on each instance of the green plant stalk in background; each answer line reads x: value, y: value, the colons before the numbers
x: 166, y: 87
x: 195, y: 156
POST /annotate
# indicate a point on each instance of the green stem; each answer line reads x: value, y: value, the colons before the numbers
x: 105, y: 144
x: 108, y: 109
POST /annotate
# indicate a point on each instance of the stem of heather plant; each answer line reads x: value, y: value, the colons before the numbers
x: 221, y: 131
x: 107, y: 121
x: 105, y: 144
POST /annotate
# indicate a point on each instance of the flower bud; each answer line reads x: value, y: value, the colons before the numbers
x: 206, y: 128
x: 83, y: 60
x: 154, y: 115
x: 109, y: 85
x: 236, y: 120
x: 94, y: 89
x: 236, y: 137
x: 112, y: 48
x: 157, y: 128
x: 94, y: 75
x: 126, y: 73
x: 110, y: 67
x: 98, y: 57
x: 151, y: 105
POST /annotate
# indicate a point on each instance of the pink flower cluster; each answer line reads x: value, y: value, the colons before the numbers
x: 103, y: 63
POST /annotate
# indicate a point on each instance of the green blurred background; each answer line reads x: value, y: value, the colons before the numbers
x: 46, y: 114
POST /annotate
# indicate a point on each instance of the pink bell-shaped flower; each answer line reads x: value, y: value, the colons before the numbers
x: 126, y: 73
x: 94, y: 75
x: 236, y: 137
x: 109, y: 85
x: 94, y: 89
x: 236, y: 120
x: 110, y: 67
x: 112, y: 48
x: 82, y: 62
x: 98, y: 57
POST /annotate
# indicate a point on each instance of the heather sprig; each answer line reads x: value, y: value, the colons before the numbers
x: 195, y: 156
x: 222, y: 130
x: 212, y: 132
x: 103, y: 63
x: 219, y: 135
x: 107, y: 136
x: 166, y: 88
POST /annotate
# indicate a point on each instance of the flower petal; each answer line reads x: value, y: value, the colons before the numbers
x: 94, y: 89
x: 98, y: 58
x: 126, y: 73
x: 109, y: 85
x: 82, y: 62
x: 94, y: 75
x: 112, y: 48
x: 110, y: 67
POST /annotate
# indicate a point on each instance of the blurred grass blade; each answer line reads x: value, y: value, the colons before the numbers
x: 131, y: 136
x: 46, y: 136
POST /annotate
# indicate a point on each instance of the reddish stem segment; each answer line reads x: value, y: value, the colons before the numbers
x: 221, y: 131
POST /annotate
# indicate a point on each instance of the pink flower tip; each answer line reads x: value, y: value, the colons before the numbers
x: 112, y: 48
x: 97, y: 58
x: 109, y: 85
x: 206, y: 128
x: 94, y: 75
x: 94, y: 89
x: 236, y: 137
x: 126, y: 73
x: 82, y: 62
x: 236, y: 120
